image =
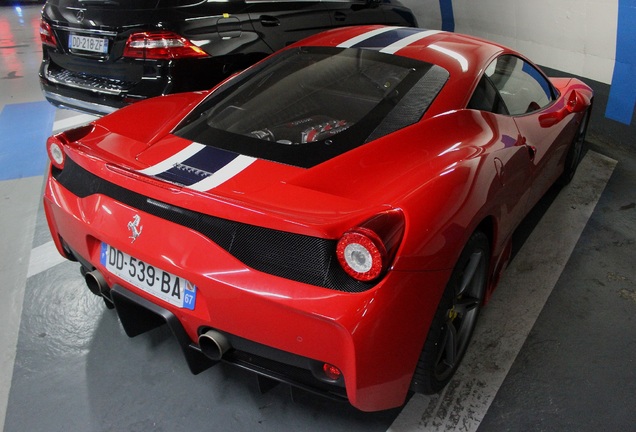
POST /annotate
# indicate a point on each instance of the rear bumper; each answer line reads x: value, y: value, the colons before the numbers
x: 139, y: 315
x: 279, y: 328
x: 73, y: 93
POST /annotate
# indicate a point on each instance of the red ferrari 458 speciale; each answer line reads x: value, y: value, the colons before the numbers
x: 332, y: 217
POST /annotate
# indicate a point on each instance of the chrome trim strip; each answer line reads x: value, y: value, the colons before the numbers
x: 81, y: 87
x: 78, y: 105
x: 54, y: 80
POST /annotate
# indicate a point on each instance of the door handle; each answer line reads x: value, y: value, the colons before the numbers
x: 269, y: 21
x: 340, y: 16
x: 532, y: 150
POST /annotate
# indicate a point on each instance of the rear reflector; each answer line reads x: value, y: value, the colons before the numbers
x: 331, y: 372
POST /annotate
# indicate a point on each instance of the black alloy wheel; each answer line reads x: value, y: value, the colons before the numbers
x: 455, y: 319
x: 575, y: 151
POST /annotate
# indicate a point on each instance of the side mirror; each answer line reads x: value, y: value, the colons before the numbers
x: 576, y: 102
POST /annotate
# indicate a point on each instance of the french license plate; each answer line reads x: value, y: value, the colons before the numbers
x: 86, y: 43
x: 159, y: 283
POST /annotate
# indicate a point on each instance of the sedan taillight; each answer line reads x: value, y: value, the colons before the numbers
x: 365, y: 252
x: 46, y: 34
x: 162, y: 45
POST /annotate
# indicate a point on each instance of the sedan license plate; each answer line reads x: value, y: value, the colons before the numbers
x: 86, y: 43
x: 156, y: 282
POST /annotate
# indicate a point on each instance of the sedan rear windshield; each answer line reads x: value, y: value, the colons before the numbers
x: 307, y: 105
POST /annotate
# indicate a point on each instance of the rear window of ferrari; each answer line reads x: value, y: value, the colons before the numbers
x: 307, y: 105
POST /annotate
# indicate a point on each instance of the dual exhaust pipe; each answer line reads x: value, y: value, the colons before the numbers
x: 96, y: 283
x: 98, y: 286
x: 212, y: 343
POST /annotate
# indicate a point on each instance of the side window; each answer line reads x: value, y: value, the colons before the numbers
x: 521, y: 86
x: 487, y: 98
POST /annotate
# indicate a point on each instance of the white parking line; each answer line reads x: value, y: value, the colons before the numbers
x: 43, y: 258
x: 511, y: 313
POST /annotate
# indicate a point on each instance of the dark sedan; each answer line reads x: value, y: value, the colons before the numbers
x: 100, y: 55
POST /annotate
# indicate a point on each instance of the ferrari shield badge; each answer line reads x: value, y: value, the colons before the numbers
x: 135, y: 228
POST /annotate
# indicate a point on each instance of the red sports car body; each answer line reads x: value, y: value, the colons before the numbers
x: 332, y: 217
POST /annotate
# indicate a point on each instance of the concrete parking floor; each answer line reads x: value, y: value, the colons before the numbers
x: 555, y: 349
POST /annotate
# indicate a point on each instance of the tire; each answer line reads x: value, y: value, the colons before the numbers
x: 575, y: 151
x: 455, y: 318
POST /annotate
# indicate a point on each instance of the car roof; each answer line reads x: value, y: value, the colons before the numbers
x: 454, y: 51
x: 464, y: 57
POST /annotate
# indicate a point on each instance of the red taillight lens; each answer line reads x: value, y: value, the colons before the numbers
x: 55, y: 150
x: 361, y: 254
x: 366, y: 251
x: 163, y: 45
x: 46, y: 34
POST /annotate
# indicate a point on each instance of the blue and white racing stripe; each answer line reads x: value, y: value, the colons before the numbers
x: 388, y: 39
x: 200, y: 167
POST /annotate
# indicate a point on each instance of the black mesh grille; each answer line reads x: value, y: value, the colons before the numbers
x: 297, y: 257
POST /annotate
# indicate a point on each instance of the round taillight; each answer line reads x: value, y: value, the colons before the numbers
x: 331, y: 372
x: 361, y: 254
x: 56, y: 153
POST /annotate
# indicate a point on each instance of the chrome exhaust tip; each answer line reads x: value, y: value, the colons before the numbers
x: 96, y: 283
x: 214, y: 345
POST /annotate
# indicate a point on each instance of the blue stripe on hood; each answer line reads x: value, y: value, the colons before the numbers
x: 385, y: 39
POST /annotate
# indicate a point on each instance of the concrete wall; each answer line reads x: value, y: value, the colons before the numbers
x: 575, y: 36
x: 591, y: 39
